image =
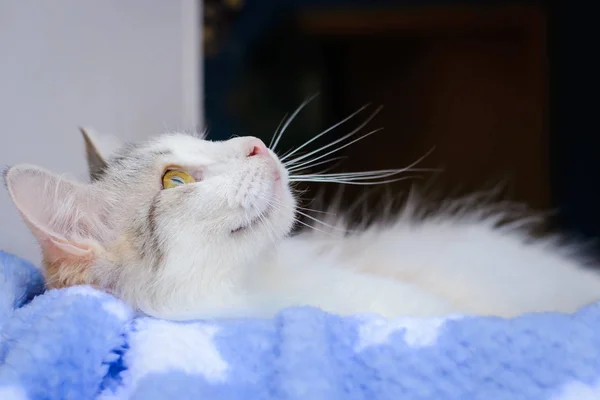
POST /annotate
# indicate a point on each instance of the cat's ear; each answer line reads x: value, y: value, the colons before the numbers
x: 96, y: 162
x: 68, y: 219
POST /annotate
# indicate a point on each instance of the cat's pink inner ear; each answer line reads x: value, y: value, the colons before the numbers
x: 64, y: 216
x: 56, y: 249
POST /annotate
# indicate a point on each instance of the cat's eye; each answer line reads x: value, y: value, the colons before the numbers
x: 173, y: 178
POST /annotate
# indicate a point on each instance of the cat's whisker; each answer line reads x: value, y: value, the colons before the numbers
x: 277, y: 131
x: 325, y: 132
x: 347, y: 136
x: 344, y: 178
x: 316, y: 211
x: 320, y: 222
x: 296, y: 169
x: 338, y: 148
x: 265, y: 222
x: 346, y: 182
x: 365, y: 179
x: 315, y: 228
x: 351, y: 177
x: 324, y: 171
x: 296, y: 220
x: 287, y: 152
x: 366, y: 173
x: 274, y: 202
x: 291, y: 118
x: 370, y: 176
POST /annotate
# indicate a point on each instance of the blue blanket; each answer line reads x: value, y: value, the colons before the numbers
x: 79, y: 343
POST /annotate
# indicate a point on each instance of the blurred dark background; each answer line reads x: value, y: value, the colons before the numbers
x: 504, y: 91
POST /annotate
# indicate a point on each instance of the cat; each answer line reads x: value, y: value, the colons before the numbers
x: 184, y: 228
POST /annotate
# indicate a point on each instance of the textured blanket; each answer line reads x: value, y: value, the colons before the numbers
x: 79, y: 343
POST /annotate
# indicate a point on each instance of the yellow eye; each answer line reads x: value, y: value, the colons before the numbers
x: 173, y: 178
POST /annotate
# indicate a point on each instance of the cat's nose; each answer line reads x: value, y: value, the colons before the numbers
x: 257, y: 148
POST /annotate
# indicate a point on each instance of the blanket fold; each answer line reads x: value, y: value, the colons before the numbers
x: 79, y: 343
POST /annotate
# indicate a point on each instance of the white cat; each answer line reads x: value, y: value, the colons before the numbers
x: 183, y: 228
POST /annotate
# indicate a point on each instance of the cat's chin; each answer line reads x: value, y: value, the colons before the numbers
x: 258, y: 219
x: 250, y: 222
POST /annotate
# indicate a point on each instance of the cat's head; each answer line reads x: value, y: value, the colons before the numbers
x: 176, y: 213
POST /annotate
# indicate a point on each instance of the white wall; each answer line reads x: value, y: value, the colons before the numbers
x: 130, y: 68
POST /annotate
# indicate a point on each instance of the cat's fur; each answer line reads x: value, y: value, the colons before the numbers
x: 179, y: 253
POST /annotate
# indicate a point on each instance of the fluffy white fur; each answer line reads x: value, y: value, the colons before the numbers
x: 221, y: 246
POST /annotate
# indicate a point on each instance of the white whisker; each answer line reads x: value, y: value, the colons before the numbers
x: 346, y: 177
x: 314, y: 228
x: 277, y: 130
x: 320, y: 222
x: 276, y: 204
x: 346, y: 182
x: 291, y: 118
x: 292, y: 169
x: 364, y: 175
x: 339, y: 148
x: 315, y: 211
x: 296, y: 160
x: 325, y: 131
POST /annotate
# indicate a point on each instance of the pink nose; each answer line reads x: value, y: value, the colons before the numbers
x: 257, y: 148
